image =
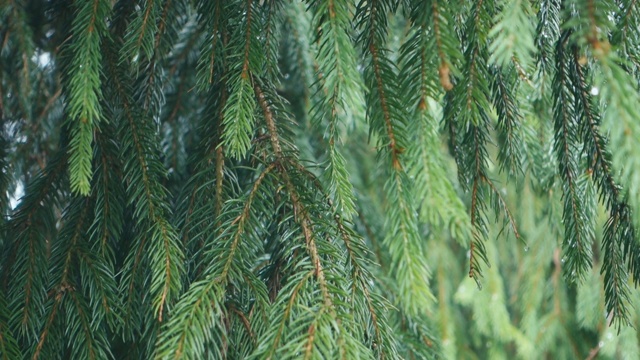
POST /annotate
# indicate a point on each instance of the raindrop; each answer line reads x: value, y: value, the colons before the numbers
x: 601, y: 344
x: 595, y: 91
x: 526, y: 248
x: 609, y: 336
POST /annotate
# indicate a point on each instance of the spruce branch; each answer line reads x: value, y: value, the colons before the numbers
x: 512, y: 34
x: 141, y: 33
x: 298, y: 207
x: 547, y: 33
x: 67, y: 307
x: 84, y: 89
x: 143, y: 173
x: 30, y: 225
x: 197, y: 316
x: 509, y: 120
x: 108, y: 222
x: 418, y: 83
x: 239, y: 113
x: 227, y: 262
x: 357, y: 255
x: 470, y: 133
x: 599, y: 160
x: 9, y: 348
x: 444, y: 42
x: 617, y: 292
x: 286, y: 314
x: 339, y: 90
x: 387, y: 119
x: 579, y: 232
x: 501, y: 205
x: 616, y: 87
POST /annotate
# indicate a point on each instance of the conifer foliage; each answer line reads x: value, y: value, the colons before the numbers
x: 319, y: 179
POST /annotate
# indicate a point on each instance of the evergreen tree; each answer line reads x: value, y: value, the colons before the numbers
x: 319, y: 179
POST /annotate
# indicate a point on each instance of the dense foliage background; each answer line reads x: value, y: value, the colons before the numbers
x: 321, y: 179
